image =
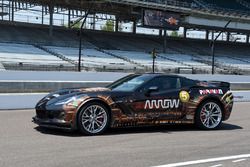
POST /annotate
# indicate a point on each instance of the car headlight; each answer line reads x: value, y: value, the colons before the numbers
x: 66, y: 101
x: 71, y: 101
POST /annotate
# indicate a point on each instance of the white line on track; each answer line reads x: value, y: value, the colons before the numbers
x: 206, y: 160
x: 239, y: 160
x: 216, y: 165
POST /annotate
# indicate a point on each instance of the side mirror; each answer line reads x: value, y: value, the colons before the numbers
x: 151, y: 89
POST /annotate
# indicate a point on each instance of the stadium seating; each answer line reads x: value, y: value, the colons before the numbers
x: 1, y: 67
x: 39, y: 35
x: 229, y: 56
x: 146, y: 59
x: 229, y: 4
x: 188, y: 60
x: 183, y: 3
x: 116, y: 52
x: 93, y: 58
x: 106, y: 41
x: 233, y: 62
x: 225, y: 7
x: 23, y: 55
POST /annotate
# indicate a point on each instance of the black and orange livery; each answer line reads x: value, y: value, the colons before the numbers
x: 135, y: 100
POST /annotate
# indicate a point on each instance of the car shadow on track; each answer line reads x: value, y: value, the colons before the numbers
x: 131, y: 130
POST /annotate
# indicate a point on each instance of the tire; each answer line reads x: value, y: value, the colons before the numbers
x: 93, y: 119
x: 209, y: 115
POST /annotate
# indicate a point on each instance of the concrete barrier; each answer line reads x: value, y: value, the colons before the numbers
x: 40, y: 81
x: 19, y: 85
x: 241, y: 96
x: 19, y: 100
x: 30, y: 81
x: 29, y: 100
x: 240, y: 85
x: 46, y: 86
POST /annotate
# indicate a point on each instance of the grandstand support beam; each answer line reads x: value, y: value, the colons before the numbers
x: 94, y: 21
x: 185, y: 32
x: 248, y: 38
x: 69, y: 18
x: 212, y: 49
x: 134, y: 27
x: 42, y: 14
x: 165, y: 41
x: 80, y: 38
x: 212, y: 37
x: 51, y: 13
x: 116, y: 24
x: 207, y: 34
x: 2, y: 9
x: 160, y: 32
x: 9, y: 11
x: 12, y: 11
x: 213, y: 42
x: 228, y: 36
x: 154, y: 54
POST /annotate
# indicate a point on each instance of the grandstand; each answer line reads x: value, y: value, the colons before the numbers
x: 42, y: 46
x: 27, y: 57
x: 94, y: 58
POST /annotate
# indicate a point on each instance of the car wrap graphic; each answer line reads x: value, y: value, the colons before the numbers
x: 184, y: 96
x: 211, y: 91
x: 162, y: 103
x: 131, y: 108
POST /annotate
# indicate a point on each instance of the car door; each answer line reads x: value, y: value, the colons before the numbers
x: 158, y: 99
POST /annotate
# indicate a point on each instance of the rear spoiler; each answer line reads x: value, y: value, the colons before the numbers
x: 219, y: 84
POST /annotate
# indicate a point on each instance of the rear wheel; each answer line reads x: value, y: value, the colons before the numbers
x: 93, y: 119
x: 209, y: 115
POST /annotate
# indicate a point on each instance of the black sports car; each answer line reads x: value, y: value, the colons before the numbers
x: 137, y: 100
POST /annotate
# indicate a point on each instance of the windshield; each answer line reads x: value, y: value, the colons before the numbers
x: 129, y: 83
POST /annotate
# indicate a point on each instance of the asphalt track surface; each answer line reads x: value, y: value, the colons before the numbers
x: 23, y: 144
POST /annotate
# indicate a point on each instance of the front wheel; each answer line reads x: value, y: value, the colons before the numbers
x: 93, y: 119
x: 209, y: 115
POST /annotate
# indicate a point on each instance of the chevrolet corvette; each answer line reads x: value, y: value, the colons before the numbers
x: 137, y: 100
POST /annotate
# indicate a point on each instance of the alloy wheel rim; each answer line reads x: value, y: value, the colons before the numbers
x: 94, y: 119
x: 211, y: 115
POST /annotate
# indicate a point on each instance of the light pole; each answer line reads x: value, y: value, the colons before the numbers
x: 212, y: 45
x: 154, y: 57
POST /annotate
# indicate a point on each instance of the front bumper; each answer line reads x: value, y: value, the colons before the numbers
x: 52, y: 123
x: 59, y: 119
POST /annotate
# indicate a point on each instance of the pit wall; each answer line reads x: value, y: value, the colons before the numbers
x: 23, y: 89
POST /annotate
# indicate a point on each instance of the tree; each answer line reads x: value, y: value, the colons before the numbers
x: 77, y: 25
x: 174, y: 34
x: 109, y: 26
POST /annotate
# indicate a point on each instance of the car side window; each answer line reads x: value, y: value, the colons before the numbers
x: 163, y: 83
x: 187, y: 82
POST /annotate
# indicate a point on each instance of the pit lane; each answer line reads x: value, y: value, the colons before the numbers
x: 23, y: 144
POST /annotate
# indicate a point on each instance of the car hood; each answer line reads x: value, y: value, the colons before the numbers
x: 62, y: 94
x: 78, y: 91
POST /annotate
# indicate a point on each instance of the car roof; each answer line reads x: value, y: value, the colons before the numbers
x: 159, y: 74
